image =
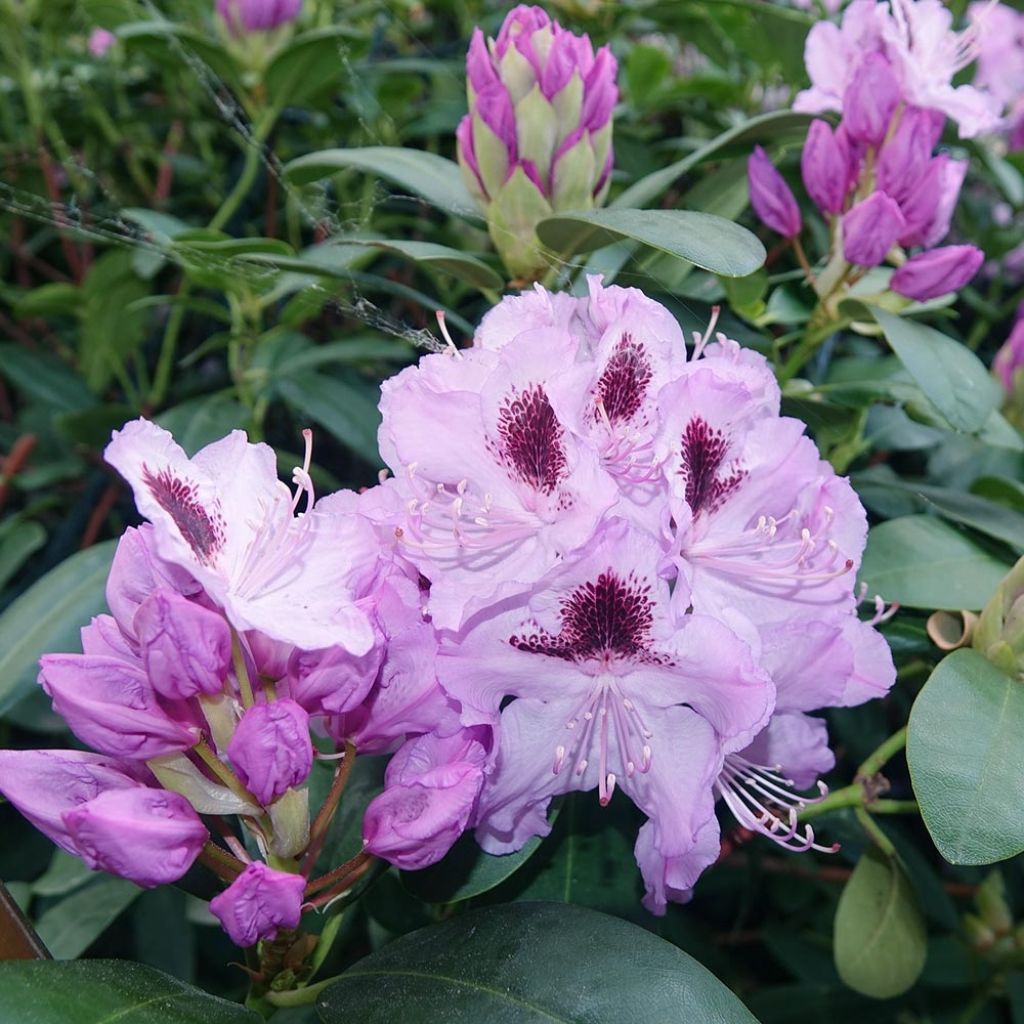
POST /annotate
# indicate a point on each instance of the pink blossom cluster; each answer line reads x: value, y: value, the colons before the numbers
x: 236, y: 627
x: 876, y: 178
x: 599, y: 564
x: 1000, y: 68
x: 641, y: 575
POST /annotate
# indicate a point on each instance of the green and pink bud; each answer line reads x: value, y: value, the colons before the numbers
x: 538, y: 136
x: 1000, y: 631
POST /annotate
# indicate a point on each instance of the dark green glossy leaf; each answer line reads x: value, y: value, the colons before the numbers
x: 432, y: 177
x: 702, y: 239
x: 73, y: 925
x: 48, y: 617
x: 880, y: 939
x: 105, y: 992
x: 530, y: 963
x: 949, y: 373
x: 44, y: 379
x: 20, y: 539
x: 921, y: 562
x: 201, y: 421
x: 310, y: 63
x: 965, y: 749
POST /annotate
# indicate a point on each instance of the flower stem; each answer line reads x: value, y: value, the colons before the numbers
x: 298, y: 996
x: 220, y: 862
x: 241, y: 672
x: 340, y: 873
x: 322, y: 821
x: 892, y: 746
x: 223, y: 772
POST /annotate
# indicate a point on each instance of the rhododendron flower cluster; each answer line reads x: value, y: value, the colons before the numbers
x: 641, y: 575
x: 1000, y: 32
x: 876, y: 178
x: 609, y: 565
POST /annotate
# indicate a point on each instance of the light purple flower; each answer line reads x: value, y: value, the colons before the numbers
x: 916, y: 37
x: 903, y: 159
x: 499, y: 490
x: 871, y: 228
x: 271, y: 750
x: 950, y: 182
x: 225, y: 518
x: 430, y: 790
x: 333, y: 681
x: 242, y: 16
x: 108, y: 701
x: 185, y: 648
x: 825, y: 165
x: 937, y: 272
x: 611, y: 689
x: 44, y: 784
x: 870, y: 100
x: 259, y: 903
x: 1010, y: 357
x: 100, y: 41
x: 149, y: 836
x: 538, y: 135
x: 771, y: 197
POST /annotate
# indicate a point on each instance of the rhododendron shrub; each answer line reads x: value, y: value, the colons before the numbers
x: 504, y: 505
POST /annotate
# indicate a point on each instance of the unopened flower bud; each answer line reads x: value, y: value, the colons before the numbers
x: 1009, y: 360
x: 771, y: 197
x: 271, y: 749
x: 870, y: 100
x: 980, y: 937
x: 259, y: 903
x: 431, y: 786
x: 185, y: 648
x: 990, y: 900
x: 537, y: 139
x: 243, y: 16
x: 100, y: 41
x: 937, y: 272
x: 905, y: 156
x: 332, y: 681
x: 149, y: 836
x: 1000, y: 632
x: 825, y: 166
x: 870, y: 229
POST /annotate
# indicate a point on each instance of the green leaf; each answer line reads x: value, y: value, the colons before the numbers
x: 48, y: 617
x: 965, y: 748
x: 346, y: 410
x: 949, y: 373
x: 200, y: 421
x: 530, y: 963
x: 19, y: 541
x: 176, y: 44
x: 921, y: 562
x: 432, y: 177
x: 65, y: 874
x: 44, y: 379
x: 53, y: 299
x: 880, y: 939
x: 310, y: 63
x: 105, y: 991
x: 699, y: 238
x: 73, y: 925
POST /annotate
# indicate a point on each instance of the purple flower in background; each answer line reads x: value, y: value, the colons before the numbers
x: 225, y: 518
x: 271, y: 749
x: 259, y: 903
x: 871, y: 228
x: 257, y: 15
x: 937, y: 271
x: 771, y: 197
x: 538, y: 135
x: 917, y: 39
x: 100, y: 41
x: 149, y: 836
x: 430, y: 790
x: 1009, y: 360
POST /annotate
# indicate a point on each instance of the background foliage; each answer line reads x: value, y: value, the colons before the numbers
x: 183, y: 240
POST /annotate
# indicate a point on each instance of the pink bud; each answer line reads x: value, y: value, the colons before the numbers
x: 185, y: 648
x: 271, y: 749
x: 870, y: 100
x: 431, y: 786
x: 44, y: 784
x: 771, y: 197
x: 332, y: 681
x: 904, y: 157
x: 149, y: 836
x: 950, y: 183
x: 242, y: 16
x: 109, y: 704
x: 100, y: 41
x: 825, y: 166
x: 1010, y: 357
x: 870, y: 229
x: 259, y: 903
x: 937, y: 272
